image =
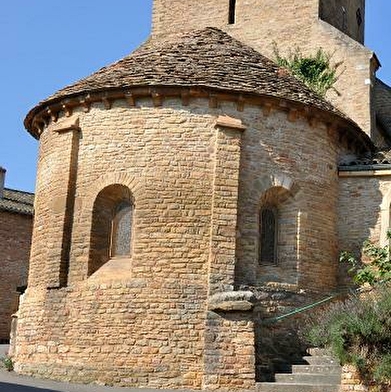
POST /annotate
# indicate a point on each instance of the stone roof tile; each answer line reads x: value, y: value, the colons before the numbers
x: 201, y: 58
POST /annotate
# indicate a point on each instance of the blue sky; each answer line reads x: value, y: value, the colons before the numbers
x: 46, y: 45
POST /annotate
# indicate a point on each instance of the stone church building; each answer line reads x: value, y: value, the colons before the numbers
x: 194, y: 189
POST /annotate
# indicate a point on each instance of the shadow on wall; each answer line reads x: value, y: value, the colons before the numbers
x: 277, y: 346
x: 363, y: 213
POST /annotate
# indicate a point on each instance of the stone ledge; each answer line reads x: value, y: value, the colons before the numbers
x: 66, y: 124
x: 230, y: 122
x: 232, y: 301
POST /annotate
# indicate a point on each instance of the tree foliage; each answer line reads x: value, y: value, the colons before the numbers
x: 316, y: 71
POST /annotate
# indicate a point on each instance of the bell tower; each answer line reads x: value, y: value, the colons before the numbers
x: 337, y: 26
x: 173, y: 16
x: 347, y: 16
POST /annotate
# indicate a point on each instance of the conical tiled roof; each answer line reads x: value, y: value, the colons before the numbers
x: 202, y: 58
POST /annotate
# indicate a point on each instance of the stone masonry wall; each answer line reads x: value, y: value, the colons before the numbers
x: 144, y: 321
x: 165, y: 157
x: 290, y: 24
x: 145, y: 325
x: 229, y: 351
x: 301, y: 160
x: 363, y: 210
x: 351, y: 380
x: 15, y: 234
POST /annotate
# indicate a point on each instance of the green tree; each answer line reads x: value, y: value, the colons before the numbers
x: 315, y: 71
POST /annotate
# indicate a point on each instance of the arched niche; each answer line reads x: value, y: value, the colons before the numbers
x: 112, y: 226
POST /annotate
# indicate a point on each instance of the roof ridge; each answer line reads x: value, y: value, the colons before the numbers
x: 19, y: 191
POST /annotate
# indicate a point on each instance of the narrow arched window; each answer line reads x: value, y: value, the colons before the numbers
x: 344, y: 19
x: 359, y: 17
x: 121, y: 232
x: 268, y: 235
x: 232, y: 12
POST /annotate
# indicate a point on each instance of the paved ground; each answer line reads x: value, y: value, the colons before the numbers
x: 12, y: 382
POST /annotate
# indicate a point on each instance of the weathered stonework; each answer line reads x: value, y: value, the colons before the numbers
x: 351, y: 380
x: 15, y: 234
x: 195, y: 135
x: 190, y: 175
x: 364, y: 210
x: 15, y: 239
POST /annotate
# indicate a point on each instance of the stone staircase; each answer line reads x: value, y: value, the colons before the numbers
x: 322, y: 373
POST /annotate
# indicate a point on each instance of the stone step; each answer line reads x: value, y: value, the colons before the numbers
x: 321, y: 360
x: 316, y: 351
x: 317, y: 369
x: 308, y: 378
x: 295, y: 387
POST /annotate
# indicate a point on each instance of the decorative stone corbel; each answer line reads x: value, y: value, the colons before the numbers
x: 313, y: 122
x: 106, y: 102
x: 212, y: 101
x: 293, y: 115
x: 156, y: 99
x: 86, y: 103
x: 267, y: 109
x: 67, y: 109
x: 240, y: 103
x: 130, y: 99
x: 53, y: 115
x: 185, y: 96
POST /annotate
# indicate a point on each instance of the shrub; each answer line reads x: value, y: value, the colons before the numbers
x: 315, y: 71
x: 7, y: 363
x: 358, y: 331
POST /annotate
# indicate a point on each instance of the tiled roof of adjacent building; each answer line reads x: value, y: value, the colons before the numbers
x: 17, y: 201
x: 207, y: 58
x: 378, y: 160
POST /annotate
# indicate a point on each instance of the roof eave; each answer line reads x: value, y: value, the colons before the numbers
x: 96, y: 95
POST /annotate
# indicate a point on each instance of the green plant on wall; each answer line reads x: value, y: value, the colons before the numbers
x: 316, y: 71
x: 377, y: 270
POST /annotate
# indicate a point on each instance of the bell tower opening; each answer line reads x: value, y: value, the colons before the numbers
x: 232, y: 12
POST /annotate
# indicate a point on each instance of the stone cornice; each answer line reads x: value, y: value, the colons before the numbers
x: 347, y: 132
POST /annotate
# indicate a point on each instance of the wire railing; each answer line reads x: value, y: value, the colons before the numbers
x: 273, y: 320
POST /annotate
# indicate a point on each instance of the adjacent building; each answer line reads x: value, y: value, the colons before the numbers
x: 16, y: 223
